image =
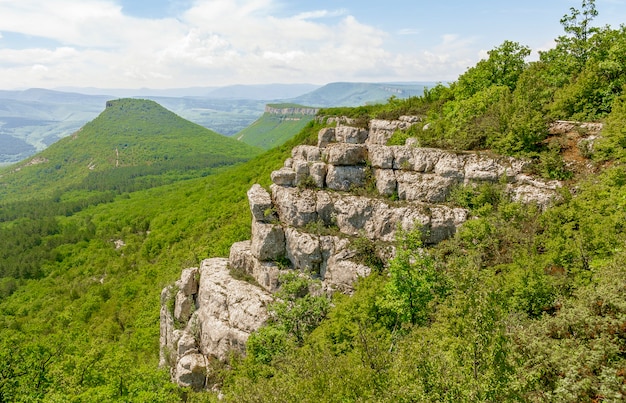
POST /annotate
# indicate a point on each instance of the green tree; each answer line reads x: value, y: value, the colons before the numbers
x: 414, y: 281
x: 503, y: 68
x: 577, y: 24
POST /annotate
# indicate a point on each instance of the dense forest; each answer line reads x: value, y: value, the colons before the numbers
x: 520, y: 305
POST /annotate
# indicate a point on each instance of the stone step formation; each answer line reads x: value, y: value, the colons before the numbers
x: 349, y: 185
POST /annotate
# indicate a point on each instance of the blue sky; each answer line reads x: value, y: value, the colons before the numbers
x: 185, y: 43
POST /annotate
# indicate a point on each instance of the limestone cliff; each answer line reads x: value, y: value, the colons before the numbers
x: 349, y: 185
x: 290, y: 110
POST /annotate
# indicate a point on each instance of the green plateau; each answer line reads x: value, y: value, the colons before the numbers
x: 279, y: 123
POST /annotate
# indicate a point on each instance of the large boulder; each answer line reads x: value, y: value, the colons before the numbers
x: 325, y: 137
x: 284, y: 177
x: 380, y: 156
x: 303, y: 250
x: 386, y: 182
x: 427, y: 188
x: 416, y: 159
x: 295, y: 207
x: 242, y: 259
x: 317, y: 171
x: 380, y: 131
x: 345, y: 178
x: 346, y: 154
x: 306, y: 153
x: 268, y: 241
x: 260, y: 204
x: 351, y: 135
x: 191, y: 371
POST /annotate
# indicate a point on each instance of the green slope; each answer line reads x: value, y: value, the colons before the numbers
x: 93, y: 311
x: 273, y: 129
x: 130, y: 139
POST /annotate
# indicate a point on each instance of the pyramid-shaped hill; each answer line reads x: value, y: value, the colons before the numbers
x: 130, y: 139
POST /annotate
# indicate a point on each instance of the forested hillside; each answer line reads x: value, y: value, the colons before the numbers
x: 520, y: 305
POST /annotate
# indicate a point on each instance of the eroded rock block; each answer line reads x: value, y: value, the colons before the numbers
x: 191, y: 371
x: 346, y: 154
x: 306, y: 153
x: 188, y: 283
x: 325, y: 136
x: 295, y: 207
x: 317, y: 170
x: 284, y: 177
x: 183, y: 307
x: 260, y: 204
x: 303, y: 250
x: 351, y: 135
x: 380, y: 156
x: 268, y: 241
x: 345, y: 177
x: 265, y: 273
x: 415, y: 158
x: 427, y: 188
x: 386, y: 183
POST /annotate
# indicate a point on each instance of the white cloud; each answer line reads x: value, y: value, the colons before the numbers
x: 214, y: 42
x: 39, y: 68
x: 408, y: 31
x: 321, y: 14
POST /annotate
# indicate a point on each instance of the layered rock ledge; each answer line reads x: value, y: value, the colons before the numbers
x: 350, y: 185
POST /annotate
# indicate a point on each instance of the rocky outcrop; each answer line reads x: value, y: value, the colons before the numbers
x: 205, y: 316
x: 350, y: 185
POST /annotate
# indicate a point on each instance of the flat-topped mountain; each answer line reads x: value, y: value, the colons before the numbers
x: 278, y: 123
x: 130, y: 138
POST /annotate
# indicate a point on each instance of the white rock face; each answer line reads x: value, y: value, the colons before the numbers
x: 317, y: 171
x: 227, y: 311
x: 306, y: 153
x: 429, y: 188
x: 351, y: 135
x: 265, y: 273
x: 268, y: 241
x: 295, y: 207
x: 345, y: 178
x: 380, y: 156
x: 303, y: 250
x: 380, y: 131
x: 310, y: 218
x: 191, y: 371
x: 386, y: 182
x: 326, y: 136
x: 284, y: 177
x: 346, y: 154
x: 260, y: 204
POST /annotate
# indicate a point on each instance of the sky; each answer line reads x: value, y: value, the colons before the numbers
x: 196, y: 43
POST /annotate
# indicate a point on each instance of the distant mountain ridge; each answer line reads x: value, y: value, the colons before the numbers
x: 356, y: 94
x: 31, y: 120
x: 264, y: 92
